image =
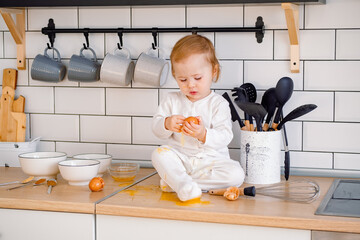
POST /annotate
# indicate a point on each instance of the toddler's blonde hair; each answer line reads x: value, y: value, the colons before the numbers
x: 195, y: 44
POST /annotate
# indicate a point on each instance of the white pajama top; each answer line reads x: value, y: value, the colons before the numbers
x: 216, y: 116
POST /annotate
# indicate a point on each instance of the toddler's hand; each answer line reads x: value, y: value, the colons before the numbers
x: 174, y: 123
x: 197, y: 131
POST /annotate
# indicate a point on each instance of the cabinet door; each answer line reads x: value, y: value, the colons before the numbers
x: 134, y: 228
x: 43, y: 225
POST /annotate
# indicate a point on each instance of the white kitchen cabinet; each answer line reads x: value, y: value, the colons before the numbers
x: 44, y: 225
x: 134, y: 228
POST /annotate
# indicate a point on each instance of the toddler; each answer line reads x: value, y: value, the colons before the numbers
x: 196, y: 157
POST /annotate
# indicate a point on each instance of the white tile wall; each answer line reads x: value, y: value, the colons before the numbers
x: 99, y: 117
x: 138, y: 102
x: 105, y: 129
x: 130, y: 152
x: 321, y: 40
x: 73, y: 148
x: 265, y: 74
x: 273, y: 16
x: 111, y: 17
x: 55, y: 127
x: 332, y: 75
x: 346, y: 161
x: 347, y: 44
x: 35, y: 99
x: 243, y: 46
x: 343, y: 110
x: 80, y: 100
x: 215, y: 16
x: 163, y: 16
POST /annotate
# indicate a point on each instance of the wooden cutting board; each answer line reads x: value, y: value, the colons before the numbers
x: 12, y: 116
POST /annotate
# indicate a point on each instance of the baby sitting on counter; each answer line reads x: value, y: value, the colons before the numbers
x: 196, y: 157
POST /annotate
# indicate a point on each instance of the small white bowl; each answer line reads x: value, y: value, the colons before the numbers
x: 104, y: 159
x: 41, y: 164
x: 78, y: 172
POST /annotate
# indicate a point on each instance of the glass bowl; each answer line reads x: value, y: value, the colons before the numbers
x: 123, y: 172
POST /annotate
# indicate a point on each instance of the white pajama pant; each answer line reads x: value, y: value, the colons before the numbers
x: 177, y: 169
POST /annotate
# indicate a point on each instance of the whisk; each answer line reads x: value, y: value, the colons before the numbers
x: 298, y: 190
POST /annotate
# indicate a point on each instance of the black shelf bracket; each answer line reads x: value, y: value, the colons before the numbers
x: 50, y: 31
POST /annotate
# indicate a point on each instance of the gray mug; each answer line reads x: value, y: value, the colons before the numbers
x: 84, y: 69
x: 46, y: 68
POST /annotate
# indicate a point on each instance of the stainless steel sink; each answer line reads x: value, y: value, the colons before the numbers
x: 342, y: 199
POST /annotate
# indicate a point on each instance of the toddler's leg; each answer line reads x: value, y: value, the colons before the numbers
x: 170, y: 167
x: 219, y: 174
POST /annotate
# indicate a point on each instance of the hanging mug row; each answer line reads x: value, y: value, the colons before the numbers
x: 116, y: 68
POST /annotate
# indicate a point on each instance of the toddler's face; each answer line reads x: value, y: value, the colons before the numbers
x: 194, y: 76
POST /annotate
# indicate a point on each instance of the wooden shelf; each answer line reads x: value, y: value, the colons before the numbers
x: 17, y: 30
x: 292, y: 21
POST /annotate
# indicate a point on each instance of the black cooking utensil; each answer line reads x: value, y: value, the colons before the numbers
x: 297, y: 112
x: 241, y: 96
x: 287, y: 153
x: 284, y: 89
x: 269, y: 102
x: 253, y: 109
x: 234, y: 115
x: 251, y: 97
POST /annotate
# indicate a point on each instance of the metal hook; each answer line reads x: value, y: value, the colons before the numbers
x: 154, y: 34
x: 86, y: 34
x: 194, y: 30
x: 51, y: 25
x: 120, y: 34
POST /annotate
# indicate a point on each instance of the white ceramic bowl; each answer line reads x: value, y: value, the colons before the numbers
x: 78, y: 172
x: 41, y: 164
x: 104, y: 159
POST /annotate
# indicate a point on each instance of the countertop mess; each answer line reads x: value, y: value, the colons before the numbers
x: 146, y: 199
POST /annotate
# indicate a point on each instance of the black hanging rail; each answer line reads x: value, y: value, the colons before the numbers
x: 50, y: 30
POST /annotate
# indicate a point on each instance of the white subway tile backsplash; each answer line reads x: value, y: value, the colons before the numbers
x: 80, y: 100
x: 314, y: 44
x: 333, y: 14
x: 63, y: 17
x: 100, y: 117
x: 45, y: 146
x: 55, y: 127
x: 215, y: 16
x: 35, y: 99
x: 273, y: 16
x: 3, y: 26
x: 231, y: 75
x: 9, y: 46
x: 332, y: 137
x: 1, y: 44
x: 344, y: 106
x: 162, y: 16
x: 73, y: 148
x: 130, y: 152
x: 311, y: 160
x: 323, y: 100
x: 243, y: 46
x: 332, y: 75
x: 347, y: 44
x: 105, y: 129
x: 22, y: 76
x: 137, y: 102
x: 265, y: 74
x: 111, y: 17
x: 142, y: 132
x: 347, y: 161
